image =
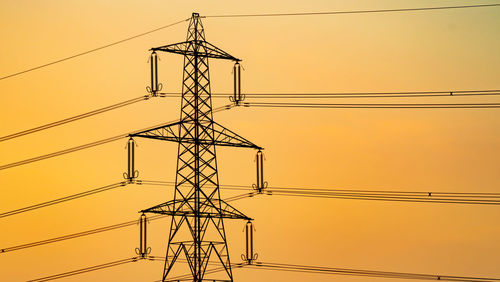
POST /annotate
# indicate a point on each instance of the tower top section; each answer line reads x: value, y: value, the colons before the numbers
x: 195, y: 44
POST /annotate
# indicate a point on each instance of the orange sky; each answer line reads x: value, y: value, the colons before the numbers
x: 416, y: 150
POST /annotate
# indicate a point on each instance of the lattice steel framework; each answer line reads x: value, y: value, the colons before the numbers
x: 197, y: 207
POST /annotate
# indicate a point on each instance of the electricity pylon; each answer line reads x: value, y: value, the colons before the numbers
x: 197, y: 231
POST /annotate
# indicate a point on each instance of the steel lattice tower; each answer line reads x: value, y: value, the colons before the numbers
x: 197, y: 231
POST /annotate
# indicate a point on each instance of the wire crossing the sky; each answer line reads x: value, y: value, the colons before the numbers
x: 90, y: 145
x: 379, y: 195
x: 64, y: 199
x: 474, y: 198
x: 101, y: 229
x: 372, y: 106
x: 77, y: 117
x: 364, y: 273
x: 249, y: 15
x: 111, y: 187
x: 77, y: 235
x: 477, y: 198
x: 86, y: 269
x: 92, y: 50
x: 352, y: 11
x: 410, y: 94
x: 118, y: 263
x: 343, y: 95
x: 419, y: 197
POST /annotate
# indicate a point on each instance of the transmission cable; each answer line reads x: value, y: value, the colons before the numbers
x: 365, y: 273
x: 75, y: 118
x: 248, y: 15
x: 481, y: 198
x: 343, y: 95
x: 64, y: 199
x: 92, y: 144
x: 474, y: 199
x: 86, y: 269
x: 99, y: 230
x: 92, y: 50
x: 103, y: 189
x: 77, y: 235
x: 351, y: 12
x: 371, y: 106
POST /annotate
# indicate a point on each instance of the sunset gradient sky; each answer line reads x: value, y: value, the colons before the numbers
x: 456, y: 150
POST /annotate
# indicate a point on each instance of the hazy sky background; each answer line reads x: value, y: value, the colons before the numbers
x: 380, y: 149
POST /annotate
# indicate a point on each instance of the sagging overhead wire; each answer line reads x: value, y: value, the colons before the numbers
x: 477, y: 198
x: 63, y: 152
x: 64, y: 199
x: 118, y: 263
x: 247, y: 15
x: 344, y: 95
x: 86, y: 269
x: 380, y: 195
x: 364, y: 273
x: 352, y: 11
x: 103, y: 189
x: 75, y: 118
x: 90, y: 145
x: 262, y: 96
x: 391, y: 196
x: 92, y: 50
x: 372, y: 106
x: 77, y: 235
x: 101, y: 229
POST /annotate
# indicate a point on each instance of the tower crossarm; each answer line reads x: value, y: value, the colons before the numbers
x: 199, y: 48
x: 221, y: 135
x: 212, y: 209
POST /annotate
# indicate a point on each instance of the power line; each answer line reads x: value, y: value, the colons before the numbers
x: 263, y: 96
x: 372, y: 106
x: 63, y: 152
x: 415, y: 94
x: 397, y: 192
x: 75, y: 118
x: 118, y: 263
x: 91, y: 50
x: 103, y: 189
x: 365, y: 273
x: 343, y: 95
x: 89, y: 145
x: 428, y: 196
x: 100, y: 230
x: 246, y: 15
x: 351, y: 12
x: 76, y: 235
x: 86, y: 269
x: 392, y: 197
x: 64, y: 199
x: 381, y: 195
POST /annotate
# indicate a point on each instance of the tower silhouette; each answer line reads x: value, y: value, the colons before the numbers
x: 197, y: 231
